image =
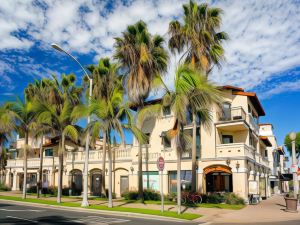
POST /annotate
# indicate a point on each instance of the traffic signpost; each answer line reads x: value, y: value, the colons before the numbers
x: 160, y: 166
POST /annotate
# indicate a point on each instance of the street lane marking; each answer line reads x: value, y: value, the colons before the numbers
x: 101, y: 220
x: 18, y: 218
x: 22, y: 210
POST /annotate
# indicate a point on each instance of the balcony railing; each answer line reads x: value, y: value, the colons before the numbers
x: 234, y: 149
x: 97, y: 155
x: 33, y: 162
x: 234, y: 113
x: 253, y: 122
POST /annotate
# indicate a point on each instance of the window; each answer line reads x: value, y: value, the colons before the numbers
x: 14, y: 154
x: 266, y: 153
x: 166, y: 142
x: 167, y: 111
x: 186, y: 180
x: 227, y: 139
x: 49, y: 152
x: 151, y: 180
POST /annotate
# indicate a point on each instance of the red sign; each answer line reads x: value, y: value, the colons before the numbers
x: 160, y: 163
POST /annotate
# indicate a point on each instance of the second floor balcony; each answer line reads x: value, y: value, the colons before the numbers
x: 236, y: 117
x: 234, y: 150
x: 33, y: 163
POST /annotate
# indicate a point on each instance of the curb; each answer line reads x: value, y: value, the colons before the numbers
x: 98, y: 211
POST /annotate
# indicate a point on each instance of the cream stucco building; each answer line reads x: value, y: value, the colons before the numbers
x: 233, y: 155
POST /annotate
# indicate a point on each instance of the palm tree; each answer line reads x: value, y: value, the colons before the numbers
x: 25, y: 116
x: 192, y: 93
x: 199, y: 38
x: 38, y: 92
x: 105, y: 79
x: 109, y: 111
x: 6, y: 128
x: 57, y: 116
x: 143, y: 57
x: 201, y: 43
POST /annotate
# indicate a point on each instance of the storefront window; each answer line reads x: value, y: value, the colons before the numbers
x: 186, y: 180
x: 151, y: 180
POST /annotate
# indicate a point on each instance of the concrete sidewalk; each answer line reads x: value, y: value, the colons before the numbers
x: 270, y: 210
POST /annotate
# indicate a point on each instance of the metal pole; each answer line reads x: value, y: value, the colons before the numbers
x: 295, y: 170
x: 161, y: 191
x: 86, y: 162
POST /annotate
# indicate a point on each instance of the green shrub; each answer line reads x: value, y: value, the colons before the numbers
x: 151, y: 195
x: 148, y: 195
x: 215, y: 198
x: 233, y: 199
x: 32, y: 189
x: 52, y: 191
x: 3, y: 187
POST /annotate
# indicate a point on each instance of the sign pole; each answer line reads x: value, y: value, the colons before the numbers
x: 160, y: 166
x: 161, y: 191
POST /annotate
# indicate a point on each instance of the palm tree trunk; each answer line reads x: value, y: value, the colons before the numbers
x: 60, y: 168
x: 39, y: 186
x: 110, y: 203
x: 194, y: 154
x: 103, y: 164
x: 25, y: 166
x: 178, y: 181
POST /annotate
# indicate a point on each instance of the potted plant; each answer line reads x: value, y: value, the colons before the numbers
x: 291, y: 203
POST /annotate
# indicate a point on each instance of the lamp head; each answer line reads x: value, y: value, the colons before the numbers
x: 56, y: 47
x: 292, y: 136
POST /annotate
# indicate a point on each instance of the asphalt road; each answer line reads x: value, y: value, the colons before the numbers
x: 11, y: 213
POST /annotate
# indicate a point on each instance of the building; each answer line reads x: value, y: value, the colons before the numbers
x: 276, y: 156
x: 232, y: 155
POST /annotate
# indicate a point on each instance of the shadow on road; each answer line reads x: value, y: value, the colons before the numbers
x: 39, y: 220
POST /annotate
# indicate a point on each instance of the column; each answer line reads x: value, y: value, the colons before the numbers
x: 7, y: 179
x: 200, y: 181
x: 240, y: 182
x: 14, y: 184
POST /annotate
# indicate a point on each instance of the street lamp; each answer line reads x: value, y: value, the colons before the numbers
x: 85, y: 185
x: 292, y: 136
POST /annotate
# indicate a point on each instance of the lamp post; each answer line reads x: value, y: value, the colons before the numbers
x: 292, y: 136
x: 85, y: 184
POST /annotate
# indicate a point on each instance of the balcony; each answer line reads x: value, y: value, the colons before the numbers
x: 234, y: 149
x: 96, y: 155
x: 32, y: 162
x: 232, y: 119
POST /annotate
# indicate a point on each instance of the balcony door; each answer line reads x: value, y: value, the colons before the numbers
x: 226, y: 110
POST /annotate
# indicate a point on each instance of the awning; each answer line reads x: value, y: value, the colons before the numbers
x: 286, y: 177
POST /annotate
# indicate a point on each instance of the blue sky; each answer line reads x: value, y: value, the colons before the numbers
x: 262, y: 54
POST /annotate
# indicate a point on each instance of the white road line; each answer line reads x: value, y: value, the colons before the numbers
x: 22, y: 210
x: 18, y: 218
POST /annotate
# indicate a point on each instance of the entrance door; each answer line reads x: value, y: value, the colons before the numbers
x: 124, y: 184
x: 96, y: 184
x: 21, y: 180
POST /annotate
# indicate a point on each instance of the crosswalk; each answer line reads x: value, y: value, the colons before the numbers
x: 98, y: 220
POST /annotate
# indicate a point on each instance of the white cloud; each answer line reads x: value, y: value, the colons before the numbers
x: 264, y: 35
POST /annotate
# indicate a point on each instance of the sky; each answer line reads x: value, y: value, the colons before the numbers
x: 262, y: 54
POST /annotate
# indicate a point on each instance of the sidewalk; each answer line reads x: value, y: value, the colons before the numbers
x: 270, y: 210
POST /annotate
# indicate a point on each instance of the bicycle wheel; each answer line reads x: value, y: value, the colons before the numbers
x: 197, y: 199
x: 183, y: 200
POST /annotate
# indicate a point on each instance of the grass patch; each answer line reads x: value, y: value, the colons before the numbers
x: 220, y: 206
x: 187, y: 216
x: 202, y: 205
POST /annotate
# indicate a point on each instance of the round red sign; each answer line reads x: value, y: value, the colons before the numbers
x: 160, y: 163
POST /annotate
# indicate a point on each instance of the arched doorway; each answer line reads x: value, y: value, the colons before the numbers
x: 96, y: 184
x: 218, y: 178
x: 76, y: 182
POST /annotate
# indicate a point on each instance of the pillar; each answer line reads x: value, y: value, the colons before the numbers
x: 240, y: 182
x: 7, y: 179
x: 14, y: 184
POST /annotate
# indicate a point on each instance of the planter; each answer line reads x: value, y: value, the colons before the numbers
x: 291, y: 204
